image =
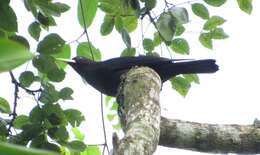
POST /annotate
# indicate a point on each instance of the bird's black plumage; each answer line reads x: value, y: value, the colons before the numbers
x: 105, y: 75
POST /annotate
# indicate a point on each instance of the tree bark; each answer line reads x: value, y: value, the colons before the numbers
x: 139, y: 112
x: 214, y: 138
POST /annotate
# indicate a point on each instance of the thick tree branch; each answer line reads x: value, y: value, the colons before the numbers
x: 214, y: 138
x: 140, y: 112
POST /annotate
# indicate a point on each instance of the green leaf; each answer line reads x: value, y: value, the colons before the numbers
x: 108, y: 99
x: 60, y: 134
x: 135, y: 4
x: 156, y: 39
x: 150, y: 4
x: 30, y: 6
x: 49, y: 94
x: 215, y: 3
x: 200, y: 10
x: 107, y: 25
x: 128, y: 52
x: 8, y: 18
x: 126, y: 38
x: 218, y: 33
x: 38, y: 141
x: 213, y: 22
x: 154, y: 54
x: 61, y: 7
x: 119, y: 25
x: 12, y: 149
x: 65, y: 93
x: 76, y: 145
x: 192, y: 78
x: 130, y: 23
x: 12, y: 55
x: 21, y: 40
x: 36, y: 115
x: 181, y: 14
x: 20, y: 121
x: 117, y: 126
x: 181, y: 85
x: 51, y: 146
x: 4, y: 2
x: 180, y: 46
x: 245, y: 5
x: 51, y: 9
x: 166, y: 26
x: 34, y: 30
x: 46, y: 21
x: 88, y: 13
x: 30, y: 131
x: 56, y: 74
x: 74, y: 117
x: 148, y: 44
x: 3, y: 130
x: 2, y: 34
x: 44, y: 63
x: 107, y: 7
x: 110, y: 117
x: 4, y: 106
x: 54, y: 114
x: 85, y: 48
x: 80, y: 136
x: 114, y: 106
x: 26, y: 78
x: 51, y: 44
x: 179, y: 30
x: 64, y: 54
x: 206, y: 40
x: 92, y: 150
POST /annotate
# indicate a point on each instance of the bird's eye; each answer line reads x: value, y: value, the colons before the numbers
x: 78, y: 58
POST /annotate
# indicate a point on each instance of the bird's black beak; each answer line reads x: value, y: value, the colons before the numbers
x: 68, y: 61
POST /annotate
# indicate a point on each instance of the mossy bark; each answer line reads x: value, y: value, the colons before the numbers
x: 139, y: 112
x: 213, y: 138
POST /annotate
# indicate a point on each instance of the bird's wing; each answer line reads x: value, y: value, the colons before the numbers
x: 125, y: 63
x: 129, y: 62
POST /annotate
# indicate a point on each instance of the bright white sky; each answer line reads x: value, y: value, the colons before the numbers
x: 229, y: 96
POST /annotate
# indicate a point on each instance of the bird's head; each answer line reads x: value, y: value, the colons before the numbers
x: 80, y: 62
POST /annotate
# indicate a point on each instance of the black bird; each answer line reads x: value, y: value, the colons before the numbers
x: 105, y: 75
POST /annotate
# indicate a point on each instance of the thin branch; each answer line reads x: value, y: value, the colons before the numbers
x: 85, y: 29
x: 76, y: 40
x: 13, y: 114
x: 92, y: 55
x: 153, y: 22
x: 187, y: 2
x: 103, y: 123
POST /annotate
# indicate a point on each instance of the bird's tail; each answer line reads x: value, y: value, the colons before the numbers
x: 195, y: 66
x: 190, y: 67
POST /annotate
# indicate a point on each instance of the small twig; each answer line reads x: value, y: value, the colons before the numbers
x: 16, y: 90
x: 96, y: 144
x: 76, y: 40
x: 16, y: 97
x: 103, y: 151
x: 103, y: 123
x: 85, y: 29
x: 167, y: 5
x: 153, y: 22
x: 93, y: 58
x: 187, y: 2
